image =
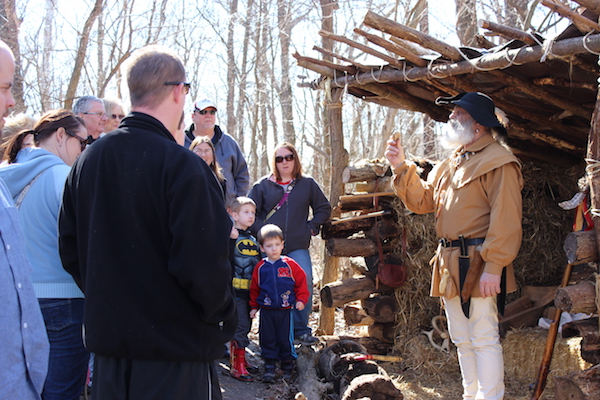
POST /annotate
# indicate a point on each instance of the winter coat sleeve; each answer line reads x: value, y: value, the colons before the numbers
x: 254, y: 286
x: 240, y: 173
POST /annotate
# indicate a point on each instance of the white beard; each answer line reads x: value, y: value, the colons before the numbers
x: 457, y: 134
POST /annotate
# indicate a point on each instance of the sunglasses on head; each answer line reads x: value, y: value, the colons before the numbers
x: 279, y: 159
x: 204, y: 112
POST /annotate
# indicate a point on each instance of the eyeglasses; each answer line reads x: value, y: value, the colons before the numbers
x: 101, y: 114
x: 200, y: 151
x: 82, y: 142
x: 204, y: 112
x: 279, y: 159
x: 186, y: 85
x: 116, y: 116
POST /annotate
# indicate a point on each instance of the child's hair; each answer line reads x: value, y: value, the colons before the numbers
x: 241, y: 201
x: 269, y: 231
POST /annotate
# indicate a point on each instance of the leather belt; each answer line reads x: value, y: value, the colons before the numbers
x: 456, y: 243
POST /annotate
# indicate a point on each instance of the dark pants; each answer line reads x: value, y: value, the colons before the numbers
x: 276, y: 334
x: 126, y: 379
x: 68, y: 362
x: 244, y: 322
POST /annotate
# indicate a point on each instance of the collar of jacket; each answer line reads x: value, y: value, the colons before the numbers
x: 146, y: 122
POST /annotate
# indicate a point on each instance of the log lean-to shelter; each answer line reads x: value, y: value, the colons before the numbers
x: 547, y: 87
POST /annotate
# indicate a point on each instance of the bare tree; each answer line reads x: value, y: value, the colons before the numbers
x: 81, y: 52
x: 466, y: 22
x: 284, y: 23
x: 231, y: 68
x: 9, y: 32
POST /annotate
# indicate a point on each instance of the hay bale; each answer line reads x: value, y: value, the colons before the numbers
x: 524, y: 349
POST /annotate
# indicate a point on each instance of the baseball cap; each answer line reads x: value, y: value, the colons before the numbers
x: 478, y: 105
x: 203, y: 104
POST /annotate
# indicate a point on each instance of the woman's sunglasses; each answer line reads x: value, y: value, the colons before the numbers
x: 279, y: 159
x: 82, y: 142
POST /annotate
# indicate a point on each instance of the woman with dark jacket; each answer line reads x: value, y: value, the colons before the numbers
x: 285, y: 198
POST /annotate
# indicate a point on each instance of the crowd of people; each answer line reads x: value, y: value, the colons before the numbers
x: 129, y: 237
x: 133, y: 240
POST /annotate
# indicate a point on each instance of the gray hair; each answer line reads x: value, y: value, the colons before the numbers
x: 83, y: 105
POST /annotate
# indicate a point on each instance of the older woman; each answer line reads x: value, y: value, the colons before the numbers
x: 285, y: 198
x: 115, y: 111
x: 36, y: 180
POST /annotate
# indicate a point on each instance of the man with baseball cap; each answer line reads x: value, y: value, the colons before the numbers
x: 476, y: 196
x: 228, y: 152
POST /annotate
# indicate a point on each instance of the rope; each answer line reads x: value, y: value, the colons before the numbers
x: 431, y: 74
x: 377, y: 80
x: 357, y: 81
x: 585, y: 46
x: 593, y: 168
x: 406, y: 78
x: 547, y: 47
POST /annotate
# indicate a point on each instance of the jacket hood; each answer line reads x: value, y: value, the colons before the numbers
x: 29, y: 163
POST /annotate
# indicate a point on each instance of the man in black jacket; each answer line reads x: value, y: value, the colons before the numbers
x: 144, y: 233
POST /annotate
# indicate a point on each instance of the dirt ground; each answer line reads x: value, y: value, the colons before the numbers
x: 414, y: 384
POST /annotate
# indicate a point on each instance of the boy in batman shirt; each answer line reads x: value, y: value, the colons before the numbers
x: 244, y: 256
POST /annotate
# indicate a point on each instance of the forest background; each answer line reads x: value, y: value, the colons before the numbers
x: 239, y: 53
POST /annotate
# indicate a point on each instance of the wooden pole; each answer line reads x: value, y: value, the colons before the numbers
x: 339, y: 159
x: 593, y: 167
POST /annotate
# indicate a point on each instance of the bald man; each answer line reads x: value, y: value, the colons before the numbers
x: 25, y: 349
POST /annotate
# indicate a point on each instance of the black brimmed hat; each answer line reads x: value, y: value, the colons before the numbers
x: 477, y: 104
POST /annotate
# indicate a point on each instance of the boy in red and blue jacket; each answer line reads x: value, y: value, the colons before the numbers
x: 278, y: 284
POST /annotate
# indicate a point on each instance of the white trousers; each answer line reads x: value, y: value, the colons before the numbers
x: 479, y: 351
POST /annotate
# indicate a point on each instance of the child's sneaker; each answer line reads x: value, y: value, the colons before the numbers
x: 287, y: 367
x: 269, y: 375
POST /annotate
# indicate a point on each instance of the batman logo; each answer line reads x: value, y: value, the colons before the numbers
x: 247, y: 247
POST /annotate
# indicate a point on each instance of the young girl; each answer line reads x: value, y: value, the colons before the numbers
x: 202, y: 146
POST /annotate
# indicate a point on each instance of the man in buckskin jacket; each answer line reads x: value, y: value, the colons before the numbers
x: 476, y: 197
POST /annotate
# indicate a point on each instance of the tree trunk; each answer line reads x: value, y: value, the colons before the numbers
x: 372, y: 386
x: 9, y: 32
x: 356, y: 316
x: 593, y: 157
x: 466, y: 22
x: 381, y: 308
x: 581, y: 246
x: 81, y: 53
x: 231, y: 69
x: 285, y: 25
x: 366, y: 170
x: 581, y: 385
x: 378, y: 185
x: 46, y: 74
x: 359, y: 247
x: 242, y: 99
x: 338, y: 293
x: 344, y: 229
x: 577, y: 298
x: 384, y: 332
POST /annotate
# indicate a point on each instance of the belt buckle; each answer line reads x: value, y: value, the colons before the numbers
x: 445, y: 242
